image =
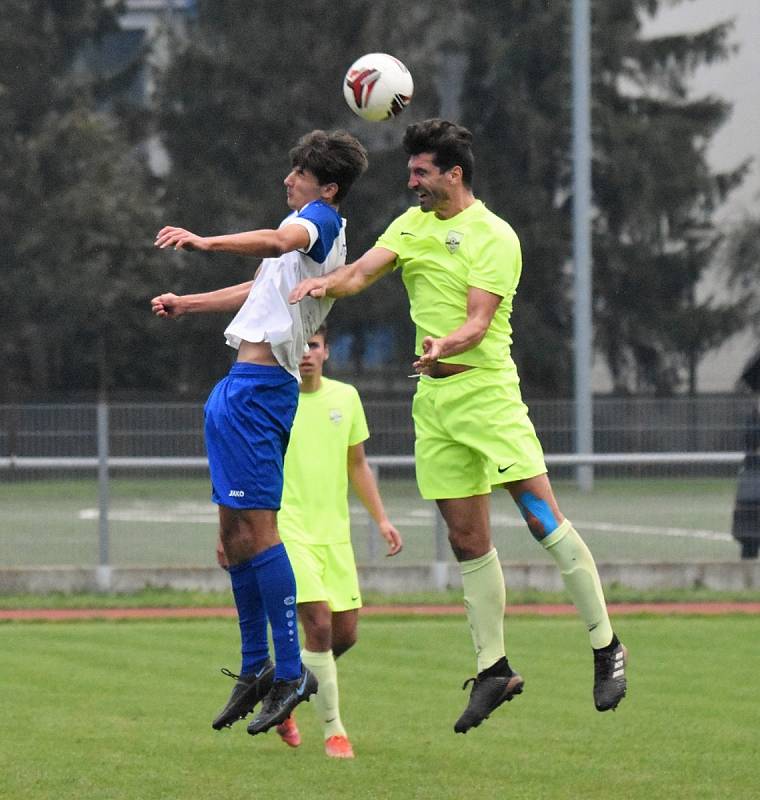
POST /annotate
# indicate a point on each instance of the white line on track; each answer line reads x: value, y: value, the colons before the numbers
x: 189, y: 513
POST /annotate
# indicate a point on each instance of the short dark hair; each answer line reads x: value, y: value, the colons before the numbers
x: 321, y: 331
x: 449, y: 143
x: 333, y: 157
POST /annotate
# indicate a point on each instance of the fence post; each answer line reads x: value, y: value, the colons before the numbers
x: 103, y: 570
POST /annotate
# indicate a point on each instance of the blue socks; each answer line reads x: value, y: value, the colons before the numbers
x: 265, y: 589
x: 252, y: 617
x: 277, y: 585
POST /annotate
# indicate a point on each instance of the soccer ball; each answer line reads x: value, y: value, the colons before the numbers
x: 377, y: 86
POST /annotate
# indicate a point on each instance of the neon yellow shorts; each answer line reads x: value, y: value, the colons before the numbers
x: 325, y: 573
x: 472, y: 431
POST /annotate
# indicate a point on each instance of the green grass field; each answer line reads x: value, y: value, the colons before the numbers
x: 110, y: 711
x: 170, y: 521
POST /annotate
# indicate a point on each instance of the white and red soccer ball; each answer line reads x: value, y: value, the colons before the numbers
x: 377, y: 87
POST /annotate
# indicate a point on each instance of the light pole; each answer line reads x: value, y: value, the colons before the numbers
x: 582, y: 317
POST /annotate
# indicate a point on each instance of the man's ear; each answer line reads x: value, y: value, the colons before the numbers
x: 328, y: 191
x: 455, y: 174
x: 327, y: 351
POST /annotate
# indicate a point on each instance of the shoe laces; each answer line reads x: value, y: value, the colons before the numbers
x: 480, y: 678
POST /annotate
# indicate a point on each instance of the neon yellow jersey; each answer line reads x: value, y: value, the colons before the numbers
x: 440, y: 258
x: 315, y: 495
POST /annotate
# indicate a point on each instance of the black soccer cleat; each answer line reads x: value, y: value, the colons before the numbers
x: 609, y: 677
x: 283, y: 697
x: 246, y: 692
x: 487, y: 694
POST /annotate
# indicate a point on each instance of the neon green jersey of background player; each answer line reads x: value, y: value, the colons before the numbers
x: 325, y: 453
x: 328, y: 421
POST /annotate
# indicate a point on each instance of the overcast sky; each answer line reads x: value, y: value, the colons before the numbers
x: 737, y: 80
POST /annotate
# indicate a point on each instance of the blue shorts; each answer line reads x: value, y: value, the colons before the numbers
x: 248, y: 415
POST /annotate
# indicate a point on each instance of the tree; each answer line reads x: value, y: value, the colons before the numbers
x: 250, y: 79
x: 654, y: 194
x: 245, y: 83
x: 77, y: 209
x: 655, y: 197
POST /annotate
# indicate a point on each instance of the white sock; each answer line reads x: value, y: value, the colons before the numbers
x: 484, y: 598
x: 581, y: 578
x: 322, y: 664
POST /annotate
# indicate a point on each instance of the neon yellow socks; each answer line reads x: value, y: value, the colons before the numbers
x: 581, y: 578
x: 326, y: 699
x: 484, y: 598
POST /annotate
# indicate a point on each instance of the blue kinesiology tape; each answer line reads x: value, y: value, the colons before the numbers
x: 537, y: 514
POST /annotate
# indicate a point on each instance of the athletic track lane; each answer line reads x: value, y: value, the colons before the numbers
x: 615, y: 609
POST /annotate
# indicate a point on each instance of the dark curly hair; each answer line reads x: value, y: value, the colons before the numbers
x: 449, y: 143
x: 333, y: 157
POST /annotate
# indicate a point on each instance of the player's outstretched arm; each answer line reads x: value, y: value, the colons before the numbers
x: 349, y: 279
x: 365, y: 486
x: 171, y: 306
x: 263, y: 243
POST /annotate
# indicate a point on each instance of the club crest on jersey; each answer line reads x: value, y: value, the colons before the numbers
x: 453, y: 240
x: 336, y: 416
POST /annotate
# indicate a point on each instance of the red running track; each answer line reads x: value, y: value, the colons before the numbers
x: 616, y: 609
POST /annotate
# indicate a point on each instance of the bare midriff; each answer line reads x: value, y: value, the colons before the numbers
x: 256, y: 353
x: 442, y: 369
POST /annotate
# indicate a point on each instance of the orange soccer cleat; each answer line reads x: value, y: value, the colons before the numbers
x: 338, y: 747
x: 289, y: 732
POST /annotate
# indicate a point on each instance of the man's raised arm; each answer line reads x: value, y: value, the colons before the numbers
x: 350, y: 279
x: 262, y: 243
x: 171, y: 306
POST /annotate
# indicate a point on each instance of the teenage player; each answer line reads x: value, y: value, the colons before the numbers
x: 314, y: 525
x: 461, y: 265
x: 249, y: 413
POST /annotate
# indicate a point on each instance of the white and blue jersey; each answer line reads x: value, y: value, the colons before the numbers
x: 250, y: 412
x: 266, y: 315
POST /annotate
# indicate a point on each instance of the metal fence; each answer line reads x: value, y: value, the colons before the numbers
x: 621, y: 425
x: 126, y: 483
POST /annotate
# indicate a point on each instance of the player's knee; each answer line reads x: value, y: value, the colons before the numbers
x: 345, y: 643
x: 469, y: 544
x: 538, y: 515
x: 318, y: 638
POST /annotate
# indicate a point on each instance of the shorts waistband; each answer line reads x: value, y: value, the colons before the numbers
x: 245, y: 368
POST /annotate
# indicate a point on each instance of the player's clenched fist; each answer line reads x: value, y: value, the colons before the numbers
x: 167, y: 305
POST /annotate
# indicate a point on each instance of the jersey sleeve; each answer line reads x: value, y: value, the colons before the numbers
x: 390, y: 239
x: 496, y: 263
x: 359, y: 430
x: 323, y: 225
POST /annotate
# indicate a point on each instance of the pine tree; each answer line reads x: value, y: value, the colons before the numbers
x: 76, y: 209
